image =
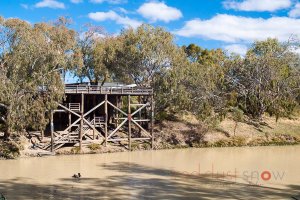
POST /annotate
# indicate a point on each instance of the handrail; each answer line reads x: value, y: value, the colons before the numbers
x: 107, y: 90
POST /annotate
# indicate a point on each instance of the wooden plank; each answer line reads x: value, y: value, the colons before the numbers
x: 139, y: 109
x: 106, y: 119
x: 117, y: 139
x: 81, y: 122
x: 94, y: 108
x: 117, y: 108
x: 114, y: 131
x: 147, y: 138
x: 152, y: 121
x: 137, y: 124
x: 71, y: 111
x: 129, y: 123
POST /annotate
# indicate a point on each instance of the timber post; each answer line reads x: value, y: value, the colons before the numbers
x: 69, y: 113
x: 94, y: 129
x: 106, y: 119
x: 129, y: 124
x: 52, y: 130
x: 152, y: 121
x: 81, y: 122
x: 117, y: 113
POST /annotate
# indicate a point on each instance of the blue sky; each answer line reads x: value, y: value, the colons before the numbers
x: 229, y: 24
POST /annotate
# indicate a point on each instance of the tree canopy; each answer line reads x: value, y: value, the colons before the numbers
x: 32, y: 58
x: 207, y: 82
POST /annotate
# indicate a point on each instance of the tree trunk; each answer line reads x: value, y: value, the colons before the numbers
x: 7, y: 134
x: 235, y: 127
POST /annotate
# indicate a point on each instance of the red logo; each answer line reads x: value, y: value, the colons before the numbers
x: 265, y: 175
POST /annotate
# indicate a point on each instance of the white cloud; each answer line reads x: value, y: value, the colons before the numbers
x: 111, y: 15
x: 159, y: 11
x: 295, y: 12
x: 123, y: 10
x: 50, y: 4
x: 109, y: 1
x: 95, y: 35
x: 237, y: 48
x: 230, y: 28
x: 76, y: 1
x: 257, y: 5
x: 25, y: 6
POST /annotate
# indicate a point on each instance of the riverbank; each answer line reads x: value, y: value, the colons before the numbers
x: 184, y: 131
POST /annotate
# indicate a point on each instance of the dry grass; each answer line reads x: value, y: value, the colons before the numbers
x: 283, y: 126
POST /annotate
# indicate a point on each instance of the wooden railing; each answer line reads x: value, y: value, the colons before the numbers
x: 95, y: 89
x: 74, y: 107
x: 98, y: 120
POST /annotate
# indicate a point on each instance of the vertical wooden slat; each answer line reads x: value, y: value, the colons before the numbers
x: 117, y: 112
x: 129, y: 124
x: 81, y: 122
x: 70, y: 119
x: 106, y: 119
x: 94, y: 129
x: 152, y: 121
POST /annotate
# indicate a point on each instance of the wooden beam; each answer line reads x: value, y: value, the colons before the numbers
x: 106, y: 119
x: 71, y: 111
x: 70, y: 119
x: 72, y: 124
x: 81, y: 122
x: 97, y: 106
x: 138, y: 110
x: 129, y: 123
x: 137, y: 124
x: 114, y: 131
x: 117, y: 113
x: 117, y: 108
x: 152, y: 121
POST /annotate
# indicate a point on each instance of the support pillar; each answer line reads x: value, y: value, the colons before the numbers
x: 70, y: 119
x: 94, y: 129
x: 152, y: 121
x: 69, y: 113
x: 117, y: 113
x: 81, y: 122
x: 129, y: 124
x: 140, y: 116
x: 106, y: 119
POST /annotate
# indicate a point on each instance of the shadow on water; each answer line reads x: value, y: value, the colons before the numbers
x: 134, y: 181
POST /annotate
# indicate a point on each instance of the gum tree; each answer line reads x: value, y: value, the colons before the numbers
x: 32, y: 58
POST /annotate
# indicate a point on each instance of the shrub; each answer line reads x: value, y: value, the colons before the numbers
x: 94, y: 146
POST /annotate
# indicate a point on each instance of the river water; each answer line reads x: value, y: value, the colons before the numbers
x: 208, y: 173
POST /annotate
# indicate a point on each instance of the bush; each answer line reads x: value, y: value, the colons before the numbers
x: 75, y: 150
x: 9, y: 149
x: 94, y: 146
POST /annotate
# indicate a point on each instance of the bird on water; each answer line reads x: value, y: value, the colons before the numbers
x: 77, y: 176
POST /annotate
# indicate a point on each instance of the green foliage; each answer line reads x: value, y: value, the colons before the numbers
x: 266, y: 80
x: 9, y: 149
x: 94, y: 146
x: 31, y: 59
x: 75, y: 150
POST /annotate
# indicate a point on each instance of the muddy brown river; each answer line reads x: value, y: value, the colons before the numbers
x: 208, y: 173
